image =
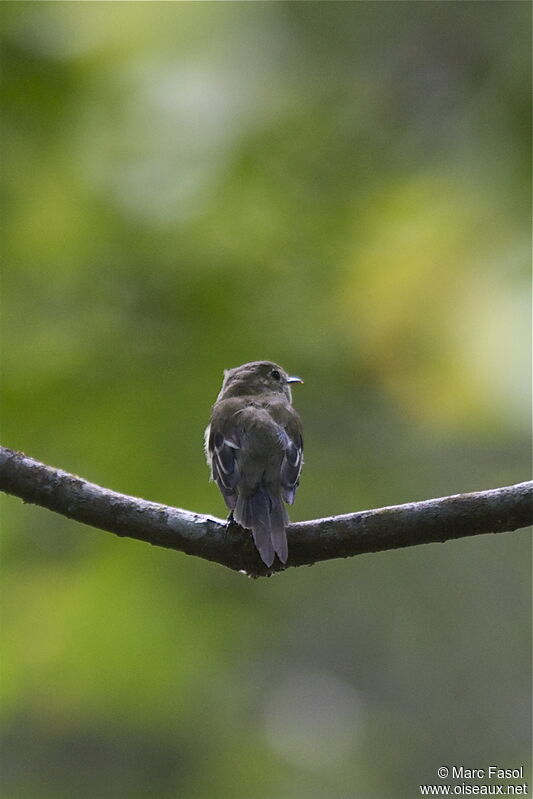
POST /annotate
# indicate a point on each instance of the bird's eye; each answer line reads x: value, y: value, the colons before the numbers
x: 275, y: 374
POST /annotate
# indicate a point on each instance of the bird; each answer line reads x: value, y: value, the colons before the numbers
x: 254, y: 448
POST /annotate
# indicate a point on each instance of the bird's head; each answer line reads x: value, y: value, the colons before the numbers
x: 257, y: 378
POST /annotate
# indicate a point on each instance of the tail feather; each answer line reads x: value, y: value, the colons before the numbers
x: 278, y: 522
x: 263, y: 543
x: 267, y: 518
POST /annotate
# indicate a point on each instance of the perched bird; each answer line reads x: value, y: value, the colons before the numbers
x: 254, y: 446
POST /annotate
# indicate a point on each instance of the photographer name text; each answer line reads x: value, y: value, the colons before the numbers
x: 490, y: 773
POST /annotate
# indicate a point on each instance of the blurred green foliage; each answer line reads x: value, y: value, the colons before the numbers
x: 340, y: 187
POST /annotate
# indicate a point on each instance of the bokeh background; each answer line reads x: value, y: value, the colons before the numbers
x: 343, y: 188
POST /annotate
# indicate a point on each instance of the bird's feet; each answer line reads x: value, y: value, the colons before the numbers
x: 229, y: 521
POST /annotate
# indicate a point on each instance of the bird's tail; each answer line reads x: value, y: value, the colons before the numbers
x: 265, y: 515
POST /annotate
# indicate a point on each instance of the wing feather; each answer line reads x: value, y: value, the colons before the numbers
x: 291, y: 467
x: 222, y: 451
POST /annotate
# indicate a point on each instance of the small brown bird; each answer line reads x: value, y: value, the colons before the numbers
x: 254, y: 446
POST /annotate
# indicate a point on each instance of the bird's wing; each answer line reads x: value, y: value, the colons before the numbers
x: 222, y: 452
x: 292, y: 463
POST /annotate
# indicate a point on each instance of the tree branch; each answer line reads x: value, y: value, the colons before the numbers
x: 496, y: 511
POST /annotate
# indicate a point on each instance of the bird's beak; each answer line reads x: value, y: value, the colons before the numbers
x: 294, y: 380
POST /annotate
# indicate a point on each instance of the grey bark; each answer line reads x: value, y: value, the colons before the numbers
x: 435, y: 520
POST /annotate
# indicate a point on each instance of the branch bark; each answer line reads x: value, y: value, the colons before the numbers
x: 434, y: 520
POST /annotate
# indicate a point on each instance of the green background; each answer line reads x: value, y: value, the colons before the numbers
x: 343, y: 188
